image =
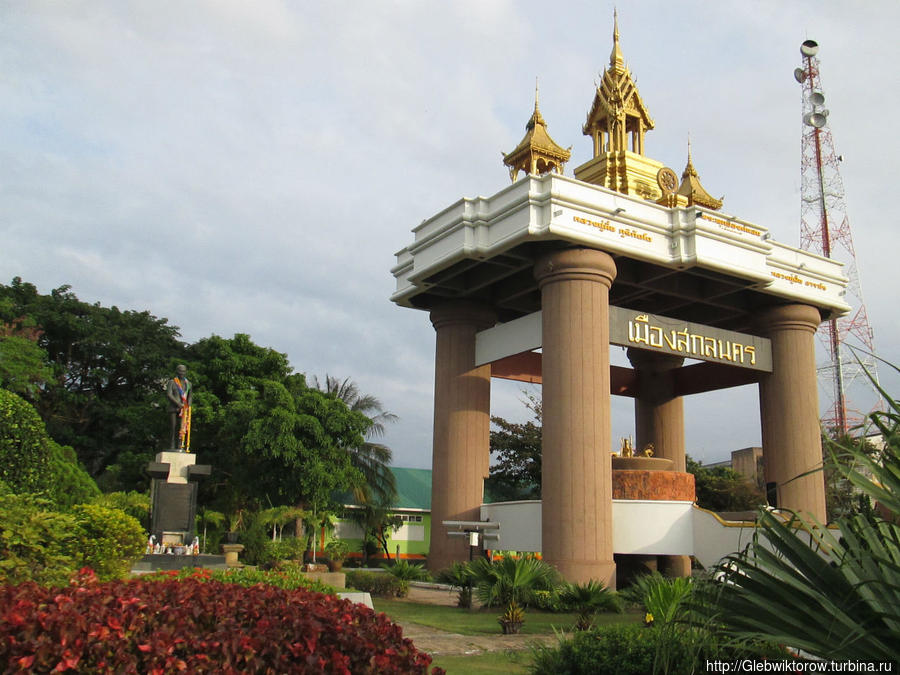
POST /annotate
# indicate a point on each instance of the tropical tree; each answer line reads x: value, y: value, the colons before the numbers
x: 834, y: 594
x: 516, y: 449
x: 369, y: 458
x: 272, y: 439
x: 106, y: 365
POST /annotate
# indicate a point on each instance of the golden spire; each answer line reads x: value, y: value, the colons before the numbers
x: 691, y: 187
x: 617, y: 123
x: 537, y: 153
x: 616, y: 60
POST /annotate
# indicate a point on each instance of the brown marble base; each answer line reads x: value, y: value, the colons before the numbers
x: 655, y: 485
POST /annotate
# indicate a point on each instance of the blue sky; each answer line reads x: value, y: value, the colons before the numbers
x: 253, y: 167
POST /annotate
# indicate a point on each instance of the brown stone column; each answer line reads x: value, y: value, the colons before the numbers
x: 462, y: 409
x: 659, y: 419
x: 658, y: 413
x: 789, y: 410
x: 577, y: 472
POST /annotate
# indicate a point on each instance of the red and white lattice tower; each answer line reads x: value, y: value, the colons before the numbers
x: 825, y: 229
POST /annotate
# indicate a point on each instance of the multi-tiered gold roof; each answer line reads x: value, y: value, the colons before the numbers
x: 537, y: 153
x: 617, y: 122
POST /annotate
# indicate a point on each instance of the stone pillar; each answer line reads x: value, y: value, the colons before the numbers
x: 462, y: 409
x: 789, y: 410
x: 658, y: 413
x: 659, y: 419
x: 577, y: 472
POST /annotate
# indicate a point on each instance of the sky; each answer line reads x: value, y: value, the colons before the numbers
x: 253, y: 167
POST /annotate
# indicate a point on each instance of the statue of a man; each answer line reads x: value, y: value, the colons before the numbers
x: 179, y: 393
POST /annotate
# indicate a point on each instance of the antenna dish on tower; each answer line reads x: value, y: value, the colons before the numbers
x: 809, y: 48
x: 817, y: 98
x: 815, y: 119
x: 799, y: 75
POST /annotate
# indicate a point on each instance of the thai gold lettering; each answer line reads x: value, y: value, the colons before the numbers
x: 638, y: 333
x: 641, y: 331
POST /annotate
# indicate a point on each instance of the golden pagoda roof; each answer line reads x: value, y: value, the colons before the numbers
x: 692, y: 189
x: 617, y: 96
x: 536, y: 153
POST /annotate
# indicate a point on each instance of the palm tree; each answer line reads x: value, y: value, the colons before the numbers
x: 371, y: 459
x: 511, y: 582
x: 588, y: 599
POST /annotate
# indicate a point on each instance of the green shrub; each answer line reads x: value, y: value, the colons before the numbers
x: 377, y: 583
x: 36, y: 544
x: 664, y: 598
x: 107, y: 540
x: 403, y: 569
x: 135, y: 504
x: 631, y: 649
x: 337, y: 550
x: 289, y: 548
x: 24, y: 451
x: 288, y: 576
x: 68, y: 483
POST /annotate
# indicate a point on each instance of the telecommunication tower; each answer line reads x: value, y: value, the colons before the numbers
x: 825, y: 229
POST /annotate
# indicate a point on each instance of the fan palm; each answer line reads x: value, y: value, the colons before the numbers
x: 511, y: 582
x: 834, y: 595
x: 371, y: 459
x: 588, y: 599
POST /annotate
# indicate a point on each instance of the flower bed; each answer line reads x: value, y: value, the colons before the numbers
x: 157, y: 627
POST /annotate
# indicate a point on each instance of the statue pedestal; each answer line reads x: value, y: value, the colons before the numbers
x: 231, y: 554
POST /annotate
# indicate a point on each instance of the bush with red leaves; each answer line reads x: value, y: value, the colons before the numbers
x: 193, y: 627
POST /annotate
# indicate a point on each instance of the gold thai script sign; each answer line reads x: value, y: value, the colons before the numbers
x: 629, y: 328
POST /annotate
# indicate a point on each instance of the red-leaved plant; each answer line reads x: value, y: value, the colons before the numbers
x: 195, y: 627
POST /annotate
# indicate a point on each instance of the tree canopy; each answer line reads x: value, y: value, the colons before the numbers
x: 96, y: 376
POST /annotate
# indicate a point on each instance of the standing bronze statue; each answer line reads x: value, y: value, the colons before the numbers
x: 179, y: 393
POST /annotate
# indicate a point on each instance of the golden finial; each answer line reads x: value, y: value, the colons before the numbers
x: 536, y: 92
x: 616, y: 58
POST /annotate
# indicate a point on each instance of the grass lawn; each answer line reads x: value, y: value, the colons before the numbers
x: 509, y: 663
x: 484, y: 621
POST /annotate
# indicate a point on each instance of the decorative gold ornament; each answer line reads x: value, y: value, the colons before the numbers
x: 667, y: 180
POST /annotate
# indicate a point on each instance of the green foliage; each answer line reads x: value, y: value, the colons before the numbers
x: 628, y: 649
x: 377, y: 583
x: 516, y: 471
x: 723, y: 489
x: 511, y: 579
x: 276, y: 440
x: 287, y: 575
x: 663, y: 597
x: 107, y: 540
x: 459, y: 577
x: 588, y: 599
x: 371, y: 459
x: 36, y: 544
x: 833, y: 594
x: 135, y: 504
x: 337, y: 550
x: 24, y: 452
x: 289, y: 548
x: 107, y: 368
x: 23, y: 365
x: 403, y: 569
x: 68, y: 483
